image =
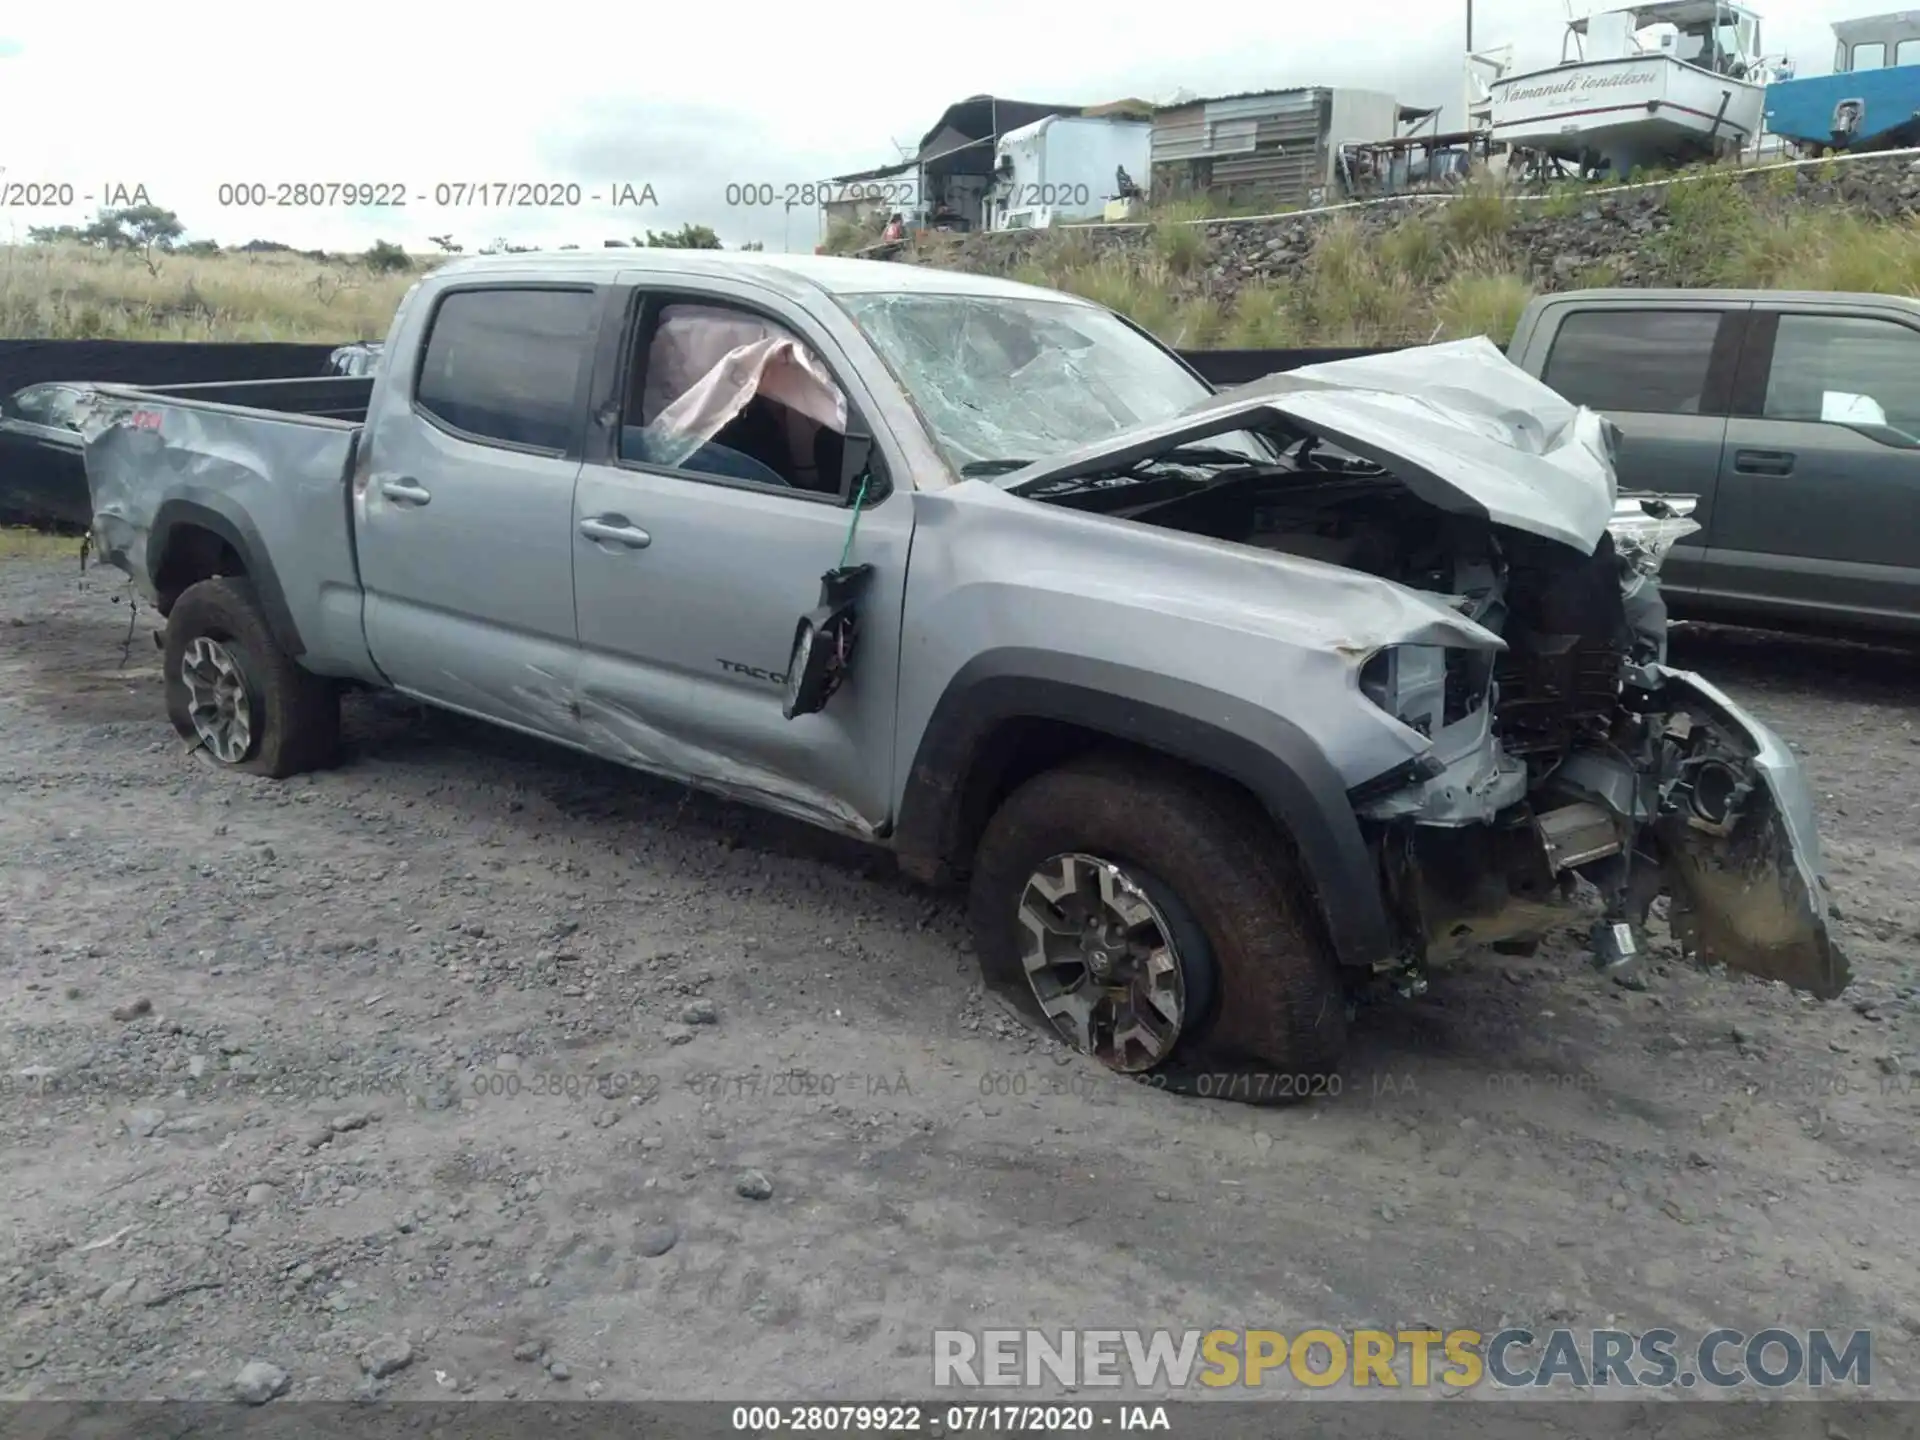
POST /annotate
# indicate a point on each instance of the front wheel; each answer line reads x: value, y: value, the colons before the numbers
x: 242, y: 701
x: 1151, y: 917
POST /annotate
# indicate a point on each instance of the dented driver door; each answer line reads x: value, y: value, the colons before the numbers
x: 691, y: 571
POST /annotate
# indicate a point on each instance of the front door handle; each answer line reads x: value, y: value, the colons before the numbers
x: 405, y: 492
x: 1763, y: 462
x: 614, y: 530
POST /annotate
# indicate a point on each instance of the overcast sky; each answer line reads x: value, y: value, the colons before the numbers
x: 686, y: 99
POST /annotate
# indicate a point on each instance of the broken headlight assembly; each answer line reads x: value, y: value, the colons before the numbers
x: 1645, y: 528
x: 1427, y: 687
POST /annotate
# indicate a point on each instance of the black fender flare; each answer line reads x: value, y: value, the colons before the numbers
x: 211, y: 511
x: 1268, y: 754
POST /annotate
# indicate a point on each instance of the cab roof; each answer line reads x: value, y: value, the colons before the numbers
x: 794, y: 275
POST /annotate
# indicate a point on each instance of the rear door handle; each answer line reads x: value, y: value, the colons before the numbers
x: 614, y: 530
x: 405, y: 492
x: 1763, y: 462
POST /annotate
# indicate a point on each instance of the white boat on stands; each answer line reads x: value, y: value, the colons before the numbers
x: 1656, y: 84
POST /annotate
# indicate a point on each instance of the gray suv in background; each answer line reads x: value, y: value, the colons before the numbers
x: 1793, y: 416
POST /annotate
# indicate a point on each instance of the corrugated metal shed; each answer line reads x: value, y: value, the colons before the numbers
x: 1238, y: 125
x: 1259, y: 144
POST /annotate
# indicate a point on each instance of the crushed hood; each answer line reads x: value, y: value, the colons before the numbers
x: 1459, y: 424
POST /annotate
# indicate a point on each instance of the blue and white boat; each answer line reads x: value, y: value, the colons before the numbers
x: 1871, y: 101
x: 1657, y: 83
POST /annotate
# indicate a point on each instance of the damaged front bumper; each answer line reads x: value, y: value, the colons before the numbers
x: 1691, y: 797
x: 1742, y: 854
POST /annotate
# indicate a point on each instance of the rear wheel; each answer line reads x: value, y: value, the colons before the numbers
x: 1151, y: 917
x: 232, y: 691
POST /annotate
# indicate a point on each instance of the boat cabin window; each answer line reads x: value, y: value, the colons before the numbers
x: 1869, y: 55
x: 1908, y: 53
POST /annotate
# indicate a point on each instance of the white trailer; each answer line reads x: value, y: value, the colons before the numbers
x: 1064, y: 168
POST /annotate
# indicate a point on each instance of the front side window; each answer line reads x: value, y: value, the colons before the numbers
x: 1652, y: 362
x: 1907, y: 52
x: 504, y: 365
x: 724, y: 392
x: 1869, y: 55
x: 1845, y: 369
x: 1003, y: 381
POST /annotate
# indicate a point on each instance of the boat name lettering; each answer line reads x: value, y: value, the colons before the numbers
x: 1617, y: 79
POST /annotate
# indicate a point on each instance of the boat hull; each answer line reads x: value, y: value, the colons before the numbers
x: 1626, y: 112
x: 1814, y: 111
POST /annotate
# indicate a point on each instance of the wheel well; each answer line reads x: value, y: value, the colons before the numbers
x: 194, y: 553
x: 1019, y: 748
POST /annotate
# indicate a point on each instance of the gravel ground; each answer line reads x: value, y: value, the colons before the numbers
x: 463, y: 1069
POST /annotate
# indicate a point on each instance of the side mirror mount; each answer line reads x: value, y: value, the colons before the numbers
x: 823, y: 642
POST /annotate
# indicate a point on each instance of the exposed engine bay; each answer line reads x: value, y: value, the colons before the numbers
x: 1572, y: 755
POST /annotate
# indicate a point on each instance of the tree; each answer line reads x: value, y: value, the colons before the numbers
x: 445, y: 242
x: 753, y: 245
x: 151, y: 227
x: 142, y: 227
x: 687, y: 237
x: 384, y: 257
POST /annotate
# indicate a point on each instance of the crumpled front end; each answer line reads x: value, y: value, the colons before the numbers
x: 1587, y: 767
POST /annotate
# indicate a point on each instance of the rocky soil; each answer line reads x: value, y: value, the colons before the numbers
x: 473, y: 1068
x: 1557, y: 242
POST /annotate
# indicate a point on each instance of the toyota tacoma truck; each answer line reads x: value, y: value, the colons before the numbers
x: 1228, y: 708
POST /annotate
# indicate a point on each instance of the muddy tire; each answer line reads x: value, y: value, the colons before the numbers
x: 1261, y: 1012
x: 235, y: 695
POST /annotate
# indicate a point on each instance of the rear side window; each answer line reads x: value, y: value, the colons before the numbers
x: 1650, y: 362
x: 505, y: 365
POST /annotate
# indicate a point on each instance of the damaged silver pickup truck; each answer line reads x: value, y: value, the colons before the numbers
x: 1227, y: 706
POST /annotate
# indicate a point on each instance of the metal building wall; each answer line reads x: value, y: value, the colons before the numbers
x: 1270, y: 146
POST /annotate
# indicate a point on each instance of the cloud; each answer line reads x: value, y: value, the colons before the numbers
x: 705, y: 164
x: 390, y: 94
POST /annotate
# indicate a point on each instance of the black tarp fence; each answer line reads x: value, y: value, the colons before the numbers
x: 154, y: 362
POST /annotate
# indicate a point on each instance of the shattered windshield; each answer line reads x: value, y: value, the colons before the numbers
x: 1005, y: 381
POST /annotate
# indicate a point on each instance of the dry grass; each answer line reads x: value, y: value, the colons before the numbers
x: 58, y: 292
x: 1456, y: 270
x: 19, y: 543
x: 1444, y: 272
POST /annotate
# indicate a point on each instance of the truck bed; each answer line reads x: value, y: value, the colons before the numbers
x: 261, y: 467
x: 330, y: 397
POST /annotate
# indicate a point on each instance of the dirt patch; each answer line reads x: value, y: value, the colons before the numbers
x: 472, y: 1044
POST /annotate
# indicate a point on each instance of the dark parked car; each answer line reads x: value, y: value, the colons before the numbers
x: 1793, y: 415
x: 42, y: 476
x: 360, y: 358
